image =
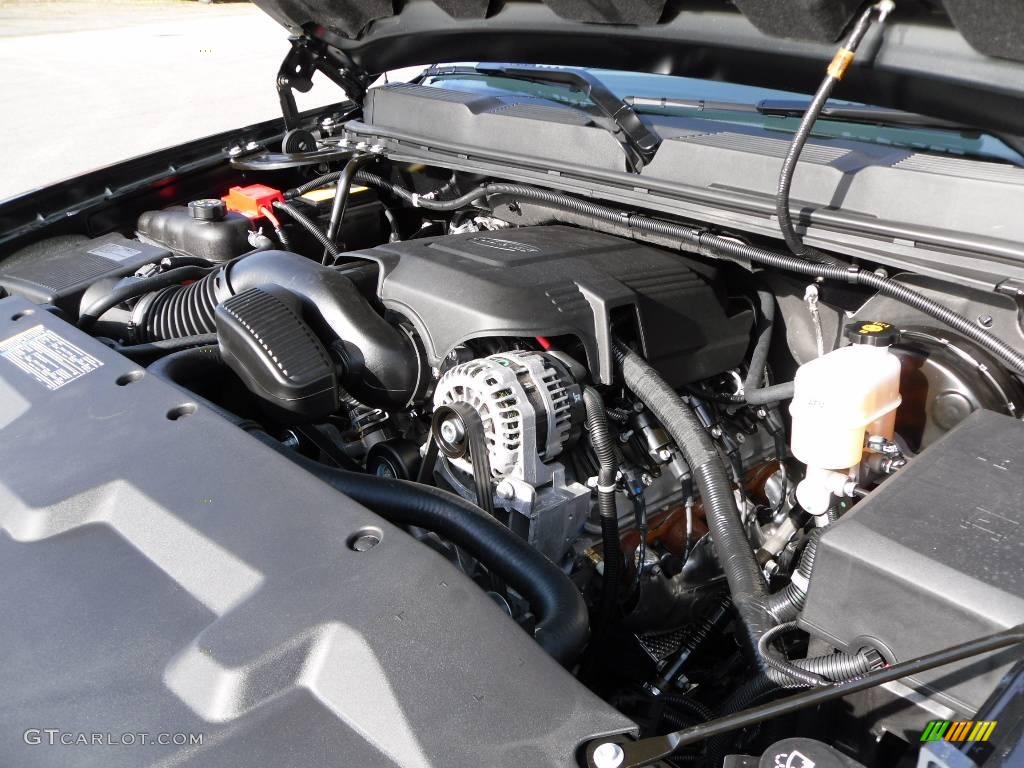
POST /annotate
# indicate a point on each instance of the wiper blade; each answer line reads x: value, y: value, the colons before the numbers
x: 860, y: 113
x: 638, y: 141
x: 852, y: 113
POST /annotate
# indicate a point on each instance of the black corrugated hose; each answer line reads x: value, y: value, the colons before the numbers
x: 177, y: 311
x: 746, y: 582
x: 601, y: 440
x: 700, y: 241
x: 816, y: 670
x: 787, y: 603
x: 136, y: 287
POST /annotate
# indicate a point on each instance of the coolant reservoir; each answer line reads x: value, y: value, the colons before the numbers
x: 838, y: 400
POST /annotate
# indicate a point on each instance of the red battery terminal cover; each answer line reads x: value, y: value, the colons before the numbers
x: 251, y: 199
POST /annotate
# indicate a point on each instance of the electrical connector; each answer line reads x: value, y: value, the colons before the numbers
x: 251, y: 199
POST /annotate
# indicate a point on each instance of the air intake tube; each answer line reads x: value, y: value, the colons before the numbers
x: 381, y: 364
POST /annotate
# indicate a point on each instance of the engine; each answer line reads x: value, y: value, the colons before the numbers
x: 704, y: 458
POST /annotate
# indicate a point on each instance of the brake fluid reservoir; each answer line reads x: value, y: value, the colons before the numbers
x: 838, y: 400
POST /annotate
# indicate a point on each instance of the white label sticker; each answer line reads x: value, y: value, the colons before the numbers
x: 47, y: 357
x: 114, y: 251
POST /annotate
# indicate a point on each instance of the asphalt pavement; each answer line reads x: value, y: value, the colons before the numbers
x: 87, y: 84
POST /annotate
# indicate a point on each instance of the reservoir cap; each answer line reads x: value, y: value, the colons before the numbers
x: 874, y: 333
x: 208, y: 209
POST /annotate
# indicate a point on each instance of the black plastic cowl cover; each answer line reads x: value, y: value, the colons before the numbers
x: 264, y: 340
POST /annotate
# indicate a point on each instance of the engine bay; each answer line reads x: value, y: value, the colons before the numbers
x: 699, y: 474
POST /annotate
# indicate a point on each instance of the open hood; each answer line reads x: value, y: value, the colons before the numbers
x: 961, y: 60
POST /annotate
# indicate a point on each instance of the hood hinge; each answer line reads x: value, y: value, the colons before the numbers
x: 306, y: 57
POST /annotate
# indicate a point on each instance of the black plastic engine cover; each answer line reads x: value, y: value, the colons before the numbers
x: 555, y: 280
x: 164, y: 572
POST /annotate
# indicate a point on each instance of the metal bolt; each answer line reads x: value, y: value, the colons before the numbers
x: 365, y: 541
x: 608, y: 755
x: 665, y: 454
x: 505, y: 490
x: 252, y: 146
x: 646, y: 479
x: 762, y: 413
x: 235, y: 151
x: 327, y: 122
x: 741, y: 438
x: 716, y: 431
x: 451, y: 431
x: 985, y: 321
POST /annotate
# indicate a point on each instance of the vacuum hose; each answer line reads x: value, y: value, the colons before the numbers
x: 562, y: 626
x: 381, y: 365
x: 601, y: 440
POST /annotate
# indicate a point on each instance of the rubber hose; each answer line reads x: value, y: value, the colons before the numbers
x: 309, y: 186
x: 800, y: 137
x: 601, y: 440
x: 769, y: 395
x: 746, y: 582
x: 379, y: 182
x: 787, y: 603
x: 136, y: 287
x: 690, y: 706
x: 370, y: 180
x: 341, y: 195
x: 759, y: 357
x: 562, y: 627
x: 300, y: 218
x: 155, y: 349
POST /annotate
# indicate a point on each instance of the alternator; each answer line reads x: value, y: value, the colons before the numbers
x: 528, y: 403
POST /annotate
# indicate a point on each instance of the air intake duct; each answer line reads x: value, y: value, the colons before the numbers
x: 380, y: 363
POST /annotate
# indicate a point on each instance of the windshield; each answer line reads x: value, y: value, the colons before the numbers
x: 632, y: 85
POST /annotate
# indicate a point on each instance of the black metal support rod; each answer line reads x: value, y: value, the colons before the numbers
x: 646, y: 751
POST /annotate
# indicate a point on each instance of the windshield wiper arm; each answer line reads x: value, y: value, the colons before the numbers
x: 638, y: 141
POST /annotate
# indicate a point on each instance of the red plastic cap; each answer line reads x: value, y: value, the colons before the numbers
x: 248, y: 200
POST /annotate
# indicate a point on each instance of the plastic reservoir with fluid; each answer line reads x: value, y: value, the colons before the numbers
x: 839, y: 399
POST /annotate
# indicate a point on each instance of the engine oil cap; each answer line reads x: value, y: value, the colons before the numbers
x: 874, y: 333
x: 208, y: 209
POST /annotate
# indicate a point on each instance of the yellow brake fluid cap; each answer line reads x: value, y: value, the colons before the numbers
x: 874, y: 333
